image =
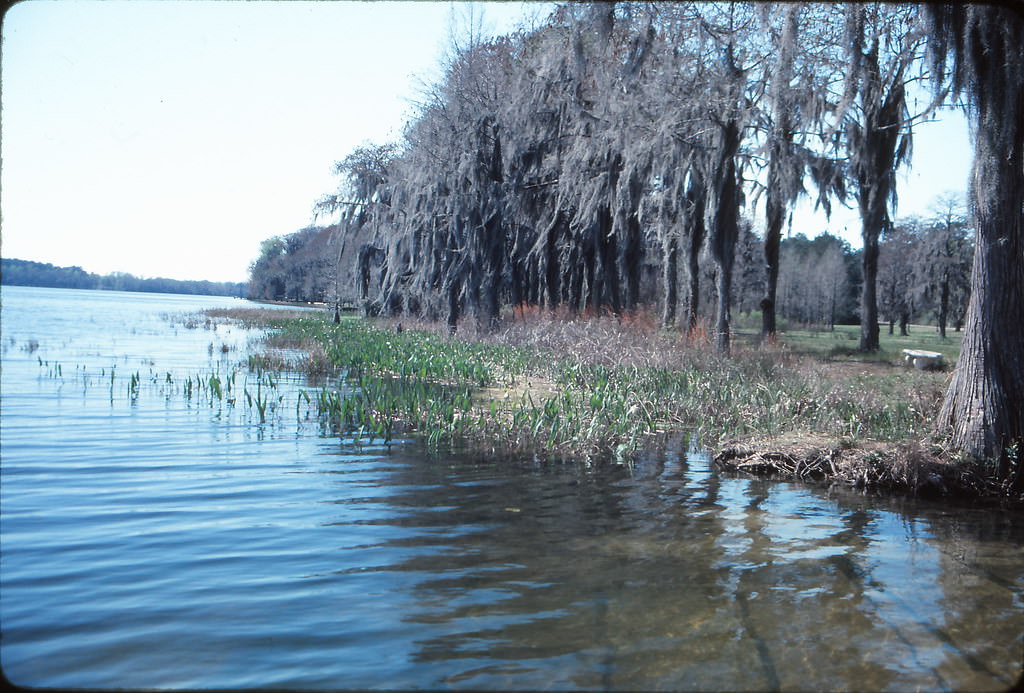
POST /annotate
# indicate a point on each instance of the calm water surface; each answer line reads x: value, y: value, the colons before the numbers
x: 152, y: 539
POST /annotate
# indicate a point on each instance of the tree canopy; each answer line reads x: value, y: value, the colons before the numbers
x: 612, y: 156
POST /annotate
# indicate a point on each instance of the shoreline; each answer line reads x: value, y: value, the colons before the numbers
x: 900, y: 468
x: 601, y: 389
x: 291, y: 304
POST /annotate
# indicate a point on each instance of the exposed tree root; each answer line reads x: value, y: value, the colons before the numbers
x: 905, y: 467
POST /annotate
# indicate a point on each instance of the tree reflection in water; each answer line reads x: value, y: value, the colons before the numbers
x: 668, y: 575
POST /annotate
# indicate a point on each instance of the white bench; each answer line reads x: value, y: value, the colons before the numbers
x: 923, y: 360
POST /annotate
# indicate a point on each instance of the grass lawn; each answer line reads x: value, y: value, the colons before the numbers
x: 841, y: 343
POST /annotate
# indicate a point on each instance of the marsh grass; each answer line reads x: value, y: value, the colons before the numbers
x: 252, y: 390
x: 600, y: 387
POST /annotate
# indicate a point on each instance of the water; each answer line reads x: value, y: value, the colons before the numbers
x: 154, y: 540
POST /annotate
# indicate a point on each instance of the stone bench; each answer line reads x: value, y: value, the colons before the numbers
x: 923, y: 360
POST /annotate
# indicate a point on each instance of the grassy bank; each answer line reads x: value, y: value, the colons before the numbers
x: 808, y: 407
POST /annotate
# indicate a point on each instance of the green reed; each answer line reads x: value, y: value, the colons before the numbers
x: 512, y: 398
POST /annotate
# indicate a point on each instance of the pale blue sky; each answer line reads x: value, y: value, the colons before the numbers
x: 168, y: 137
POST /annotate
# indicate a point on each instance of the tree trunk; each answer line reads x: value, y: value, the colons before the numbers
x: 608, y: 286
x: 669, y: 277
x: 877, y: 153
x: 551, y: 266
x: 495, y: 258
x: 984, y: 408
x: 724, y: 286
x: 693, y: 295
x: 521, y: 280
x: 453, y: 307
x: 695, y: 202
x: 868, y: 294
x: 832, y: 308
x: 943, y: 306
x: 576, y: 269
x: 775, y: 215
x: 726, y: 228
x: 590, y: 274
x: 494, y: 234
x: 632, y: 262
x: 632, y: 242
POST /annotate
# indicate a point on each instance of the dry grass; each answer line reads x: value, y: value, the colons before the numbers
x: 633, y: 340
x: 253, y: 316
x: 913, y: 466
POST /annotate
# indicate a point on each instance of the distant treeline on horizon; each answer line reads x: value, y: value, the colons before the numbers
x: 28, y: 273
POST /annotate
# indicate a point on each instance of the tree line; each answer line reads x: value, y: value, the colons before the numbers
x: 619, y: 151
x: 563, y: 165
x: 29, y: 273
x: 585, y: 164
x: 924, y: 274
x: 300, y: 267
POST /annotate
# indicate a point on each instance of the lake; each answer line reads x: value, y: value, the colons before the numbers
x: 155, y: 535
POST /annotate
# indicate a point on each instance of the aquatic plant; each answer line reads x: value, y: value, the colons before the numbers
x: 570, y: 389
x: 602, y: 389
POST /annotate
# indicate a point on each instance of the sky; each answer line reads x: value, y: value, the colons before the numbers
x: 168, y: 138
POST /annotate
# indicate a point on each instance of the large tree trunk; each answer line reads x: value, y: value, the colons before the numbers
x: 695, y: 231
x: 984, y: 407
x: 775, y: 213
x: 868, y: 294
x: 726, y: 228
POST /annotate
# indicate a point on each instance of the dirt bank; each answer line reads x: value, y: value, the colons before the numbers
x: 910, y: 468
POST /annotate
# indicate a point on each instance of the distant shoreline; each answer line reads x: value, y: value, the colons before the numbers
x: 297, y: 304
x: 15, y: 272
